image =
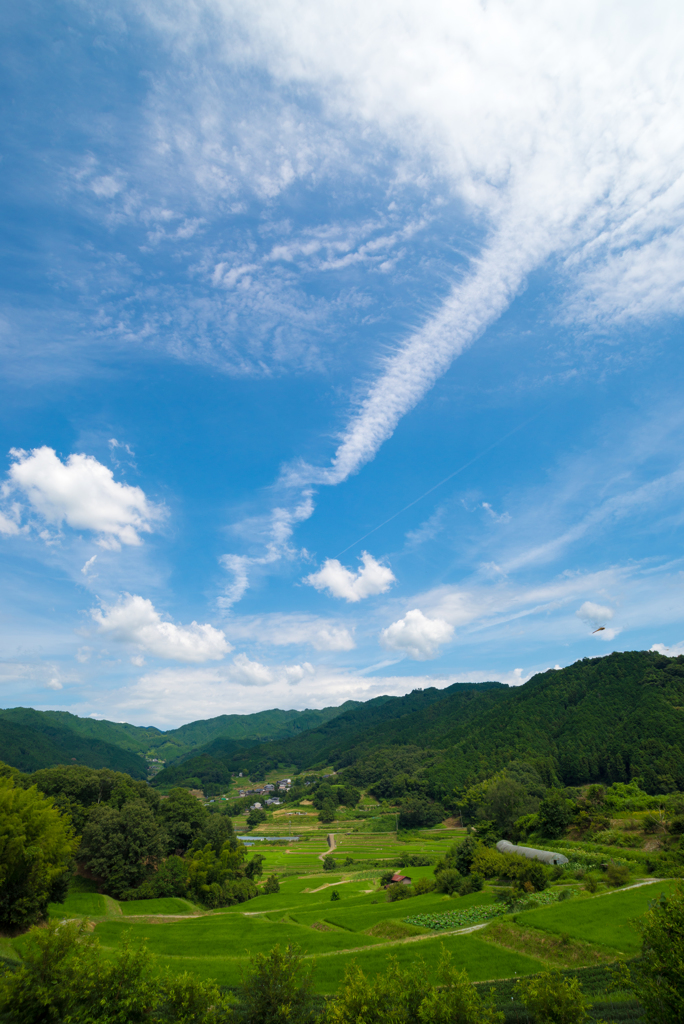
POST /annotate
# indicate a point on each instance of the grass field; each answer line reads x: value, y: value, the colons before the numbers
x: 605, y: 919
x: 585, y: 931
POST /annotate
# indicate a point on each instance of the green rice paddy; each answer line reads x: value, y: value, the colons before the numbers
x: 361, y: 925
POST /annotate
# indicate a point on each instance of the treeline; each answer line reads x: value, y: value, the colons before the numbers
x: 119, y: 831
x: 601, y: 720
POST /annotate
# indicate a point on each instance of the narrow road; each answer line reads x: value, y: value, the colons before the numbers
x: 331, y: 846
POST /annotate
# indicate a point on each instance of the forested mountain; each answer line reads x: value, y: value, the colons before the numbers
x: 601, y: 719
x: 32, y: 739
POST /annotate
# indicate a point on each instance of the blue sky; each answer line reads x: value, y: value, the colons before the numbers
x: 341, y: 348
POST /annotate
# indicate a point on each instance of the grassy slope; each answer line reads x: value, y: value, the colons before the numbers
x: 605, y: 919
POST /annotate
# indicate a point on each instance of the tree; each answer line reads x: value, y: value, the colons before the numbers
x: 37, y: 845
x: 391, y: 998
x: 184, y: 818
x: 456, y: 1001
x: 272, y: 884
x: 349, y: 796
x: 275, y: 989
x: 122, y: 847
x: 327, y: 813
x: 419, y: 812
x: 254, y: 866
x: 505, y: 800
x: 657, y: 978
x: 552, y: 998
x: 256, y: 817
x: 329, y: 862
x: 448, y: 880
x: 64, y: 977
x: 554, y: 814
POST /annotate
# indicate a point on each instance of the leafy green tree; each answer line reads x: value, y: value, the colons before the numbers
x: 448, y: 881
x: 254, y: 867
x: 217, y: 831
x: 122, y: 847
x: 349, y: 796
x: 455, y: 1001
x: 329, y: 863
x: 275, y: 989
x: 172, y: 879
x: 327, y: 812
x: 220, y: 881
x: 65, y: 979
x: 419, y: 812
x: 37, y: 845
x: 552, y: 998
x: 657, y: 977
x: 505, y: 801
x: 184, y: 819
x: 272, y: 884
x: 554, y: 814
x: 391, y: 998
x: 256, y: 817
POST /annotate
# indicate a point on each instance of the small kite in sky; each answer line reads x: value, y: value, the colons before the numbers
x: 597, y: 630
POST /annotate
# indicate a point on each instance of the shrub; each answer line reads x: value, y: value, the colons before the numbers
x: 272, y: 884
x: 448, y: 880
x: 386, y: 878
x: 471, y: 883
x: 397, y: 891
x: 617, y: 874
x: 275, y: 989
x: 591, y: 884
x: 676, y: 826
x: 490, y: 862
x: 423, y: 885
x: 329, y: 862
x: 552, y: 998
x: 334, y: 895
x: 650, y: 824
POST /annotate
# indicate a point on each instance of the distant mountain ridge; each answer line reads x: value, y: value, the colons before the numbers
x: 31, y: 739
x: 611, y: 718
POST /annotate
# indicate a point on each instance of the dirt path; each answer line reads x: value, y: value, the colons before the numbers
x: 332, y: 845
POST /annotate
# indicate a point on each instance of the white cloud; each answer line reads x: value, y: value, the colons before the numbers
x: 594, y: 614
x: 372, y: 578
x: 249, y: 673
x: 417, y: 635
x: 134, y: 620
x: 280, y: 630
x: 8, y: 526
x: 53, y: 684
x: 85, y: 569
x: 559, y: 129
x: 670, y: 652
x: 83, y: 494
x: 274, y: 532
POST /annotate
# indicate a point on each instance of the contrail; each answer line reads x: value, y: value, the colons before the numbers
x: 445, y: 480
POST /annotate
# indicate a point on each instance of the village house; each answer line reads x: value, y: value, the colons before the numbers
x: 398, y: 878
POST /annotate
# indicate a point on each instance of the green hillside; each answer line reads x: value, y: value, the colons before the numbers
x: 601, y: 719
x: 31, y: 741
